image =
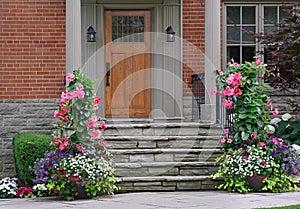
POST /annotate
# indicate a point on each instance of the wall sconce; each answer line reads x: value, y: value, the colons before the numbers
x: 170, y: 34
x: 91, y: 34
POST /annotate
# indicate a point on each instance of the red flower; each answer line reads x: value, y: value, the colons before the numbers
x: 263, y: 163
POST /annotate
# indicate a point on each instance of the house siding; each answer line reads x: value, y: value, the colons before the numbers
x: 32, y: 40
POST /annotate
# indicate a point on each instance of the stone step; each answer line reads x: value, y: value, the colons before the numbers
x: 142, y: 142
x: 164, y: 155
x: 167, y: 183
x: 165, y: 168
x: 163, y: 129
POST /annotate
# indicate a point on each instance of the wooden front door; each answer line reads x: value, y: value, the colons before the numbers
x: 128, y: 63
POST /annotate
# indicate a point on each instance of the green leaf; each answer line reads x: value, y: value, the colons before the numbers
x: 245, y: 135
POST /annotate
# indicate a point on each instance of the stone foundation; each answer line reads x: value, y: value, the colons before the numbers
x: 22, y: 115
x: 286, y: 101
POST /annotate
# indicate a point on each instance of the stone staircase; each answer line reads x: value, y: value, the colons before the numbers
x: 163, y: 156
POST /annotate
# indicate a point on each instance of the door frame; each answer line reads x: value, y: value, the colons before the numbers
x: 132, y: 113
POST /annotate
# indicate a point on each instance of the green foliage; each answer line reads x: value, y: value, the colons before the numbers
x: 27, y: 147
x: 289, y: 131
x: 250, y: 108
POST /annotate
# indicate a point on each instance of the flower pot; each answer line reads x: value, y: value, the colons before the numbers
x: 81, y: 192
x: 255, y: 183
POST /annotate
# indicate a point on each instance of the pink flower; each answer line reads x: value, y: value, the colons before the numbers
x: 80, y: 87
x: 103, y: 126
x: 245, y: 157
x: 228, y: 91
x: 97, y: 100
x: 222, y: 141
x: 91, y: 124
x: 258, y: 62
x: 263, y: 163
x: 95, y: 133
x: 227, y: 103
x: 254, y: 135
x: 79, y: 147
x: 96, y: 106
x: 67, y: 95
x: 240, y: 149
x: 214, y: 92
x: 221, y: 73
x: 237, y: 92
x: 261, y: 144
x: 57, y: 114
x: 270, y: 104
x: 226, y: 131
x: 229, y: 140
x: 234, y: 64
x: 95, y: 118
x: 275, y: 112
x: 275, y: 141
x: 69, y: 78
x: 102, y: 144
x: 79, y: 94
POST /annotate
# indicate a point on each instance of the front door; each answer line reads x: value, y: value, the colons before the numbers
x: 128, y: 63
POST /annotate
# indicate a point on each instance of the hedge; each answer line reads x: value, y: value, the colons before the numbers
x: 27, y: 147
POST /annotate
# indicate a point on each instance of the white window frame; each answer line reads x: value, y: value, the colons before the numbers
x: 259, y: 24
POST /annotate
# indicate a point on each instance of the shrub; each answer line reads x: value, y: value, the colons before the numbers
x: 27, y: 147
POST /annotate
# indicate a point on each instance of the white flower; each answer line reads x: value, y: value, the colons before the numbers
x: 269, y: 129
x: 286, y: 117
x: 275, y: 121
x: 296, y: 147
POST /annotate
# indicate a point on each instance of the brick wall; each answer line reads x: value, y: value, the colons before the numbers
x: 193, y: 24
x: 32, y: 41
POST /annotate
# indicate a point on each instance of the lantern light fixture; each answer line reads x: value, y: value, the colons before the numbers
x: 91, y: 34
x: 170, y: 34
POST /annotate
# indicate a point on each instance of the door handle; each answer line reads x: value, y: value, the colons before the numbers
x: 107, y: 66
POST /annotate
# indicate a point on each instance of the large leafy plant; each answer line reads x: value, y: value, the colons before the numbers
x: 244, y: 93
x: 250, y: 151
x: 80, y: 160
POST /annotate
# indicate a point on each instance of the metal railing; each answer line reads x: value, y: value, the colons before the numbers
x: 198, y: 90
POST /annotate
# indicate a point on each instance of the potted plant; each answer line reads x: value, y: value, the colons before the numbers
x: 79, y: 165
x: 251, y: 152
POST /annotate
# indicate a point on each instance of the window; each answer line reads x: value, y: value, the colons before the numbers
x: 242, y: 19
x: 128, y: 28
